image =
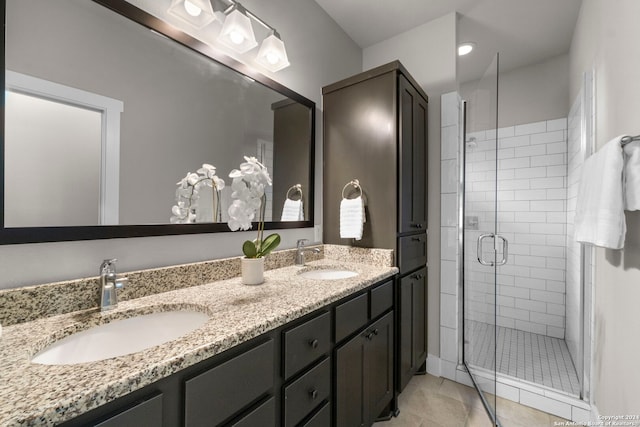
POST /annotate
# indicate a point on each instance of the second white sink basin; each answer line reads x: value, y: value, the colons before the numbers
x: 328, y: 274
x: 121, y: 337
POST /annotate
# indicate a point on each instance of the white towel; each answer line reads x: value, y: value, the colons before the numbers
x: 292, y: 210
x: 599, y: 216
x: 352, y: 218
x: 632, y: 176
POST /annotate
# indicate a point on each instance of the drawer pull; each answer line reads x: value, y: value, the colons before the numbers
x: 417, y: 239
x: 417, y: 276
x: 416, y: 225
x: 313, y: 393
x: 313, y: 343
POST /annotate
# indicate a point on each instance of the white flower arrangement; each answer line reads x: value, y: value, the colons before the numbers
x: 248, y: 185
x: 187, y: 194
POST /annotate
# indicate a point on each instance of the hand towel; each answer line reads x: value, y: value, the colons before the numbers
x: 632, y: 176
x: 352, y: 218
x: 292, y: 210
x: 599, y: 216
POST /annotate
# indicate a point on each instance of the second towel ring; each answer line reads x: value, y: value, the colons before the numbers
x: 355, y: 183
x: 297, y: 188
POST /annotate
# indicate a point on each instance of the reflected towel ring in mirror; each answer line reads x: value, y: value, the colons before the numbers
x: 297, y: 189
x: 355, y: 183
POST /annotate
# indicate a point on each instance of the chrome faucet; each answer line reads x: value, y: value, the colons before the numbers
x: 300, y: 250
x: 109, y: 283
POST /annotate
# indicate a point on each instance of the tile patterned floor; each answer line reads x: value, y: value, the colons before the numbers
x: 531, y: 357
x: 429, y: 401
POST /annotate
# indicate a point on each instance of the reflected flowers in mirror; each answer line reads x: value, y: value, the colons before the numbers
x: 188, y: 193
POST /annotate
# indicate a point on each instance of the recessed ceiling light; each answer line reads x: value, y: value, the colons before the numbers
x: 465, y: 48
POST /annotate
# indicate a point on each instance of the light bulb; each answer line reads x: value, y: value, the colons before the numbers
x: 236, y: 37
x: 191, y: 8
x: 465, y: 48
x: 272, y: 58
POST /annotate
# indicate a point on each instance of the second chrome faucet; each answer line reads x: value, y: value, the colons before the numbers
x: 300, y: 250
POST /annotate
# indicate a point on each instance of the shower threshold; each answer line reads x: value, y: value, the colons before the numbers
x: 535, y: 358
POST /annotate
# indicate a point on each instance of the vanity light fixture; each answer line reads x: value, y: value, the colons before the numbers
x: 197, y: 13
x: 465, y: 48
x: 237, y: 32
x: 272, y: 54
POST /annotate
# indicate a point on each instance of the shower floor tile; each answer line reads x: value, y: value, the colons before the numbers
x: 531, y: 357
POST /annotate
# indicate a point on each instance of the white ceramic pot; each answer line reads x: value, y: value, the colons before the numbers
x: 252, y: 271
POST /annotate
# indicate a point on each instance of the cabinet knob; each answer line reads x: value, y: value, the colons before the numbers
x: 417, y: 239
x: 369, y: 336
x: 375, y: 332
x: 417, y: 276
x: 313, y: 393
x: 313, y: 343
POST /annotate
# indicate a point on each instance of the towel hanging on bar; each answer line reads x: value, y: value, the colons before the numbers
x: 293, y: 210
x: 599, y: 216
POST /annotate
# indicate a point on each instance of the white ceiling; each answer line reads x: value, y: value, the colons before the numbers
x: 523, y: 31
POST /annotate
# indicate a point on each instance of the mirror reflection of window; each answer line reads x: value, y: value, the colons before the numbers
x: 45, y: 186
x: 61, y: 154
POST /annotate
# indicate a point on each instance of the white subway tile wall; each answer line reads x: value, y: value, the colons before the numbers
x: 532, y: 214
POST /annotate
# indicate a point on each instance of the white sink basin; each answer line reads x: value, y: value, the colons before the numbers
x: 328, y: 274
x: 121, y: 337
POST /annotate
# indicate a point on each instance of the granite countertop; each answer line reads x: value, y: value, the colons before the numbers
x: 32, y: 394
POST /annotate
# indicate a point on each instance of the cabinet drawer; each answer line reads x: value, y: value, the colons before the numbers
x: 263, y: 416
x: 148, y: 412
x: 321, y: 419
x: 306, y: 343
x: 412, y: 252
x: 220, y: 392
x: 381, y: 299
x: 306, y: 393
x: 351, y: 316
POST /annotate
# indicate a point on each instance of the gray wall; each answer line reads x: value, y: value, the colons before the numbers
x: 320, y: 53
x: 605, y: 40
x: 429, y: 54
x: 531, y: 94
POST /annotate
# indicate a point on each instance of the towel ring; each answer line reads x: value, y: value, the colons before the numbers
x: 628, y: 139
x: 355, y: 183
x: 297, y: 188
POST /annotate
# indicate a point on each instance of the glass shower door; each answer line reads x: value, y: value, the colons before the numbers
x: 483, y: 249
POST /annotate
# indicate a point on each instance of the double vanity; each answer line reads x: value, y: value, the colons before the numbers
x: 311, y: 345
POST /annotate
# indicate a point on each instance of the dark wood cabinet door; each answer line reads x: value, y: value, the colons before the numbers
x: 148, y: 412
x: 351, y: 406
x: 413, y: 325
x: 413, y: 158
x: 378, y: 380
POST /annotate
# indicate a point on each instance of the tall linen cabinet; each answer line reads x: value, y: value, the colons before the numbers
x: 375, y: 131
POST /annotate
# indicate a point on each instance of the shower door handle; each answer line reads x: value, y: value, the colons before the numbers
x: 479, y: 249
x: 505, y: 249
